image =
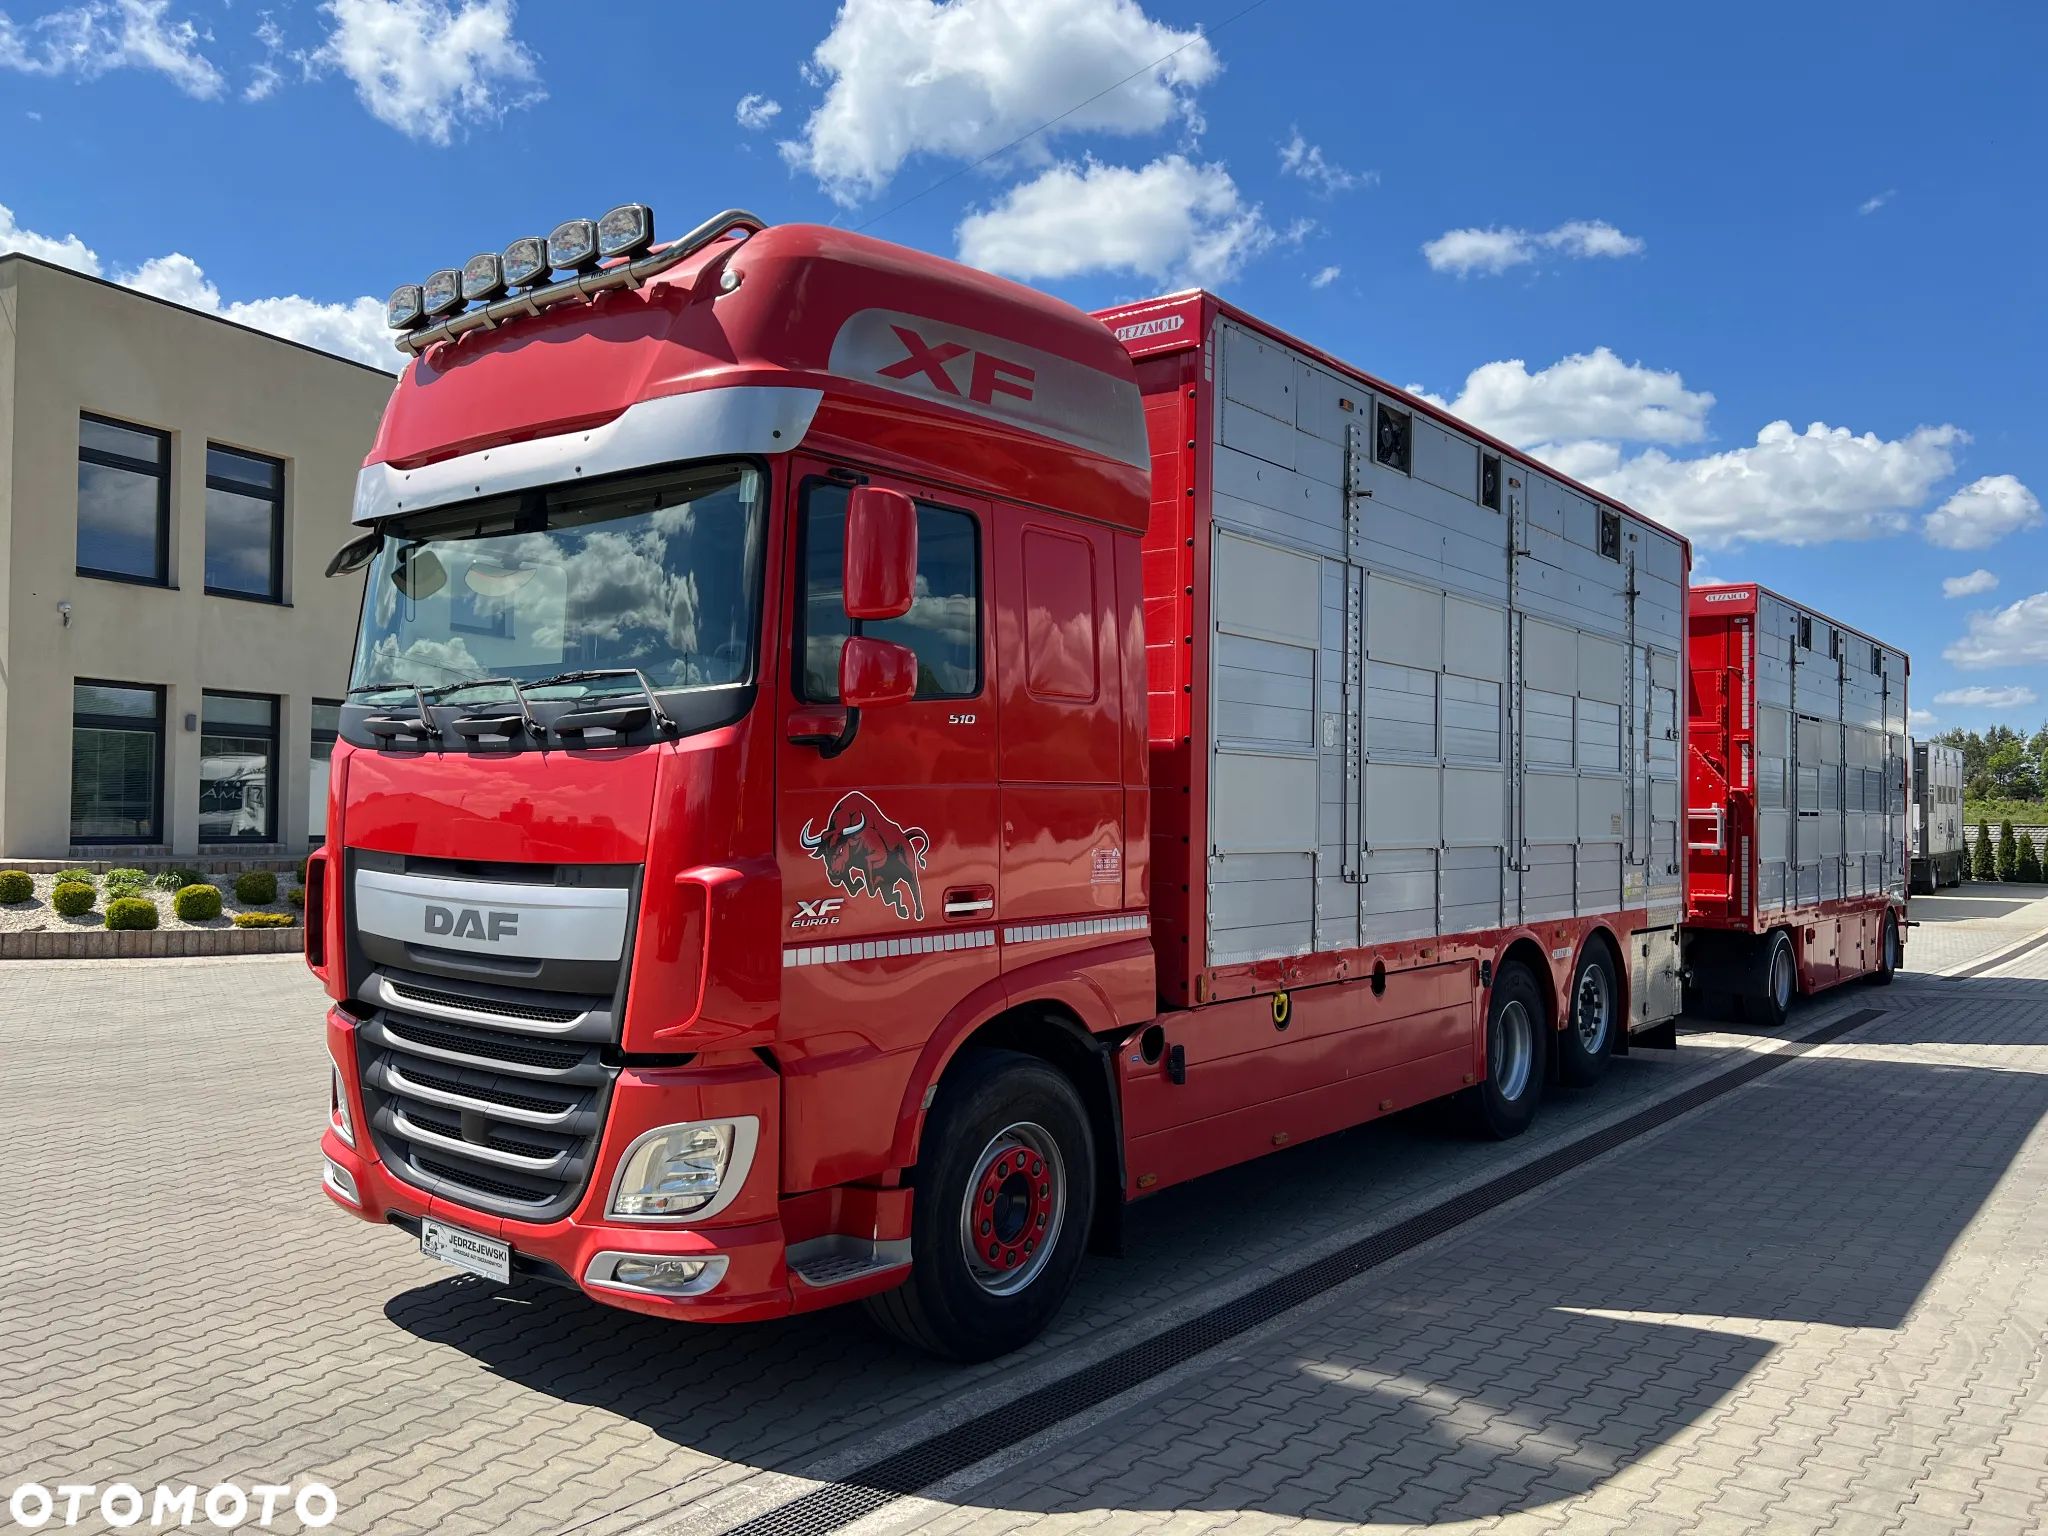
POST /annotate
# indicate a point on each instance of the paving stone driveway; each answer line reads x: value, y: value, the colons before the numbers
x: 1816, y: 1303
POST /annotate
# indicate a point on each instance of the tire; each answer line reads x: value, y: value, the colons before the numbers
x: 1768, y: 1000
x: 1888, y: 953
x: 1003, y: 1123
x: 1517, y: 1034
x: 1592, y: 1019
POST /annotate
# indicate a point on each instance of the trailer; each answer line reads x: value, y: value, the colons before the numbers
x: 1796, y: 758
x: 1940, y: 845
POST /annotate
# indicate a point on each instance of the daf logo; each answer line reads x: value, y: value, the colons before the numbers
x: 472, y: 923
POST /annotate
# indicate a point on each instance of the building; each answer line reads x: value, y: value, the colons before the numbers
x: 171, y: 656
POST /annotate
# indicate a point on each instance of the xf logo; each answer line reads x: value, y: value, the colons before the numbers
x: 987, y: 374
x: 822, y: 913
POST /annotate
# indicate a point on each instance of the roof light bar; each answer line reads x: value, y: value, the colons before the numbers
x: 443, y: 290
x: 626, y: 231
x: 526, y: 261
x: 483, y: 277
x: 572, y: 245
x: 403, y: 311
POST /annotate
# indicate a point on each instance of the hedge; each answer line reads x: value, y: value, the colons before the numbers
x: 197, y: 903
x: 73, y: 898
x: 255, y: 887
x: 131, y: 912
x: 15, y: 885
x: 264, y: 919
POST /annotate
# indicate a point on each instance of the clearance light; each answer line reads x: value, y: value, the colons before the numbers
x: 526, y: 261
x: 573, y: 245
x: 402, y: 310
x: 483, y: 277
x: 443, y: 292
x: 625, y: 231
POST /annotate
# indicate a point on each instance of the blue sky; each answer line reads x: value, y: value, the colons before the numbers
x: 1639, y: 238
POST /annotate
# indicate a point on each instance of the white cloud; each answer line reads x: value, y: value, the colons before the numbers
x: 1172, y: 221
x: 1587, y: 395
x: 353, y: 329
x: 1968, y: 586
x: 264, y: 75
x: 2012, y: 636
x: 1982, y: 513
x: 427, y: 67
x: 1979, y: 697
x: 1870, y: 205
x: 91, y: 39
x: 1920, y: 719
x: 1327, y: 276
x: 963, y: 78
x: 755, y: 111
x: 1788, y: 487
x: 1490, y: 252
x: 1300, y: 158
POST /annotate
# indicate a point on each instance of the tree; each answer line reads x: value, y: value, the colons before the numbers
x: 1983, y: 866
x: 2028, y: 871
x: 2008, y: 852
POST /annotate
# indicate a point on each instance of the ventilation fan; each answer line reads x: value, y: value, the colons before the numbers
x: 1393, y: 439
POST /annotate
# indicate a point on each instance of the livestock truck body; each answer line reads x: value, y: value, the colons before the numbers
x: 1940, y: 842
x: 856, y: 770
x: 1797, y: 806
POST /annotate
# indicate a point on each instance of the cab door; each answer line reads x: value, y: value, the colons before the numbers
x: 888, y: 827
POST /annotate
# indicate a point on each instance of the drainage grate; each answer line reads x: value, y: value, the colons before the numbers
x: 917, y: 1467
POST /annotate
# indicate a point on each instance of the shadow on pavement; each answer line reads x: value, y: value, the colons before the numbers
x: 1466, y: 1383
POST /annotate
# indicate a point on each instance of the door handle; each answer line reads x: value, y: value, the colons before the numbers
x: 966, y: 903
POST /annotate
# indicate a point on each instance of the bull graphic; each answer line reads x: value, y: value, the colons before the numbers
x: 866, y: 853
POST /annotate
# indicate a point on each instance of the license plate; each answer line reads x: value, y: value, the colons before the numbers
x: 465, y: 1250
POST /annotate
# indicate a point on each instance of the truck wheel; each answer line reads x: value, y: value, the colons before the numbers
x: 1888, y: 953
x: 1586, y: 1043
x: 1769, y: 999
x: 1516, y: 1033
x: 1000, y: 1216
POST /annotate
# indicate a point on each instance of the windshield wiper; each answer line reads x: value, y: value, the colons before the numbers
x: 474, y: 725
x: 621, y: 719
x: 386, y: 726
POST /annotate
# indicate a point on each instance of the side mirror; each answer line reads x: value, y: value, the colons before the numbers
x: 881, y: 553
x: 355, y: 554
x: 873, y: 673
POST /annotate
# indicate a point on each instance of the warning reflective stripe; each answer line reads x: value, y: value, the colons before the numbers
x: 1079, y: 928
x: 886, y: 949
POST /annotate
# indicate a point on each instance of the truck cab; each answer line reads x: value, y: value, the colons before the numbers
x: 748, y: 714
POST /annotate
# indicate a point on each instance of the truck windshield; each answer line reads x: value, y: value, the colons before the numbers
x: 660, y: 573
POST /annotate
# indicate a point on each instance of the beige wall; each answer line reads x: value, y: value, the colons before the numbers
x: 70, y: 344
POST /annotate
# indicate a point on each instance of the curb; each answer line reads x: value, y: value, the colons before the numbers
x: 153, y: 944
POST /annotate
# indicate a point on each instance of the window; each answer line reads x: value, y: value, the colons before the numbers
x: 124, y: 501
x: 244, y: 525
x: 1610, y: 534
x: 1489, y: 480
x: 238, y: 768
x: 326, y: 729
x: 943, y: 626
x: 1805, y: 633
x: 1391, y: 436
x: 1877, y: 659
x: 117, y: 753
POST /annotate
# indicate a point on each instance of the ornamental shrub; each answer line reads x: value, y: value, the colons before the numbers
x: 178, y: 879
x: 264, y: 919
x: 119, y: 883
x: 255, y: 887
x: 2028, y: 869
x: 296, y: 896
x: 77, y: 877
x: 131, y: 912
x: 73, y: 898
x: 197, y: 903
x: 15, y: 885
x: 1983, y: 865
x: 2008, y: 852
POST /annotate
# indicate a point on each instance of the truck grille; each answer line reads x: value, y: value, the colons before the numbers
x: 486, y: 1117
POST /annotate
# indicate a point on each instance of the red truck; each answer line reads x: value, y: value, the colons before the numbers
x: 857, y: 769
x: 1797, y: 802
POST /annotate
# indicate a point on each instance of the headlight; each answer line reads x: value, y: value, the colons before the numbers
x: 675, y: 1170
x: 526, y: 261
x: 402, y: 310
x: 625, y: 231
x: 338, y: 1115
x: 572, y: 245
x: 443, y: 292
x: 483, y: 277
